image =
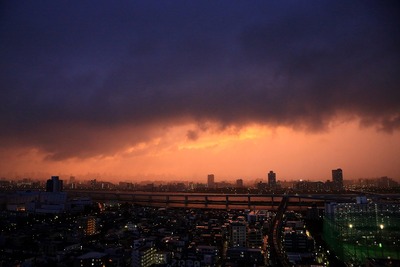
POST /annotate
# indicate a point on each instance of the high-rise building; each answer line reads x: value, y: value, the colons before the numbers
x: 272, y: 179
x: 239, y: 183
x: 238, y: 231
x: 337, y: 179
x: 210, y: 181
x: 54, y: 184
x: 254, y: 238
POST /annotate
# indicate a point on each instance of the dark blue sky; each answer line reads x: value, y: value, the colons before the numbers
x: 69, y: 69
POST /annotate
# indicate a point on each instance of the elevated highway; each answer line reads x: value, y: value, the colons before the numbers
x: 212, y: 200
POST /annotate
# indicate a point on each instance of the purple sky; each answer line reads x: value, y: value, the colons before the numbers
x: 74, y: 70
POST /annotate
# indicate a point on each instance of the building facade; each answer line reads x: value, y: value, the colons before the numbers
x: 238, y: 234
x: 144, y: 256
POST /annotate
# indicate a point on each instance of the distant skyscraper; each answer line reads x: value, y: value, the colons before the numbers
x: 54, y: 184
x: 271, y: 179
x: 337, y: 178
x: 239, y: 183
x: 210, y: 181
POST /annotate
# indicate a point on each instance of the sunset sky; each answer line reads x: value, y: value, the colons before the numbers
x: 175, y: 90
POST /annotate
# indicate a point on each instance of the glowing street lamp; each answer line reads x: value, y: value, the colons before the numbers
x: 351, y: 237
x: 381, y: 226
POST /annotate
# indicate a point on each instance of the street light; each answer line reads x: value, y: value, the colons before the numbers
x: 350, y: 237
x: 381, y: 226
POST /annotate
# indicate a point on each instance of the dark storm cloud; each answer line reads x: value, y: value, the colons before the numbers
x: 71, y: 71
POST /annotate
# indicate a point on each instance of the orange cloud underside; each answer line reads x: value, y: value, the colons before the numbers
x: 248, y: 153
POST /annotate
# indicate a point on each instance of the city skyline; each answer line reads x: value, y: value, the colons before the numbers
x: 336, y: 180
x: 178, y: 90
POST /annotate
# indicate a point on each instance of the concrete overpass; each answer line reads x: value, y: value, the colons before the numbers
x: 212, y: 200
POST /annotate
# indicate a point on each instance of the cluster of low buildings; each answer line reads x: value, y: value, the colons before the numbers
x: 46, y: 228
x: 126, y: 235
x: 182, y: 237
x: 115, y: 234
x: 53, y: 200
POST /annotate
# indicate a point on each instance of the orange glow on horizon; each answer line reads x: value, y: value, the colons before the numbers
x: 247, y: 153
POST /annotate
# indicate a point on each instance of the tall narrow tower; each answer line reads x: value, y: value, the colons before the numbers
x: 210, y: 181
x: 337, y: 179
x: 272, y: 179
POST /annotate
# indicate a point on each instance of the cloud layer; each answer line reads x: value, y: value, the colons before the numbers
x: 80, y: 80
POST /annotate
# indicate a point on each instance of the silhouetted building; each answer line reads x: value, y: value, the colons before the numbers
x: 210, y: 181
x: 309, y: 186
x: 386, y: 182
x: 337, y: 179
x: 93, y: 184
x: 54, y: 184
x: 272, y: 179
x: 239, y: 183
x: 262, y: 186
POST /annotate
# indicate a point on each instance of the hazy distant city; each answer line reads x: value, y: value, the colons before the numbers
x: 211, y: 184
x: 271, y: 183
x: 270, y: 223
